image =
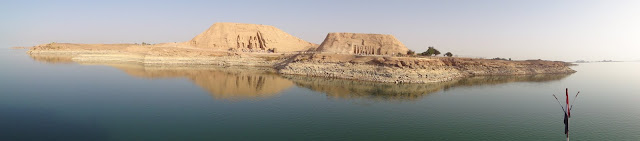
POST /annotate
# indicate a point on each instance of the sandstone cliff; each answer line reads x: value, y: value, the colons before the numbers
x: 363, y: 44
x: 249, y: 38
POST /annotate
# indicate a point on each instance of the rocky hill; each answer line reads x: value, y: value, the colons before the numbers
x: 249, y: 38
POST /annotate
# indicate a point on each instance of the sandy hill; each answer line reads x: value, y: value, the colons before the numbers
x: 364, y: 44
x: 249, y: 38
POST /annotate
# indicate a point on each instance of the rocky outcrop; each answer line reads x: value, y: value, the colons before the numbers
x: 249, y: 38
x: 362, y: 44
x: 503, y: 67
x: 412, y: 70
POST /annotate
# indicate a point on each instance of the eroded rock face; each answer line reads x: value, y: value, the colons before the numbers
x: 363, y: 44
x: 249, y: 38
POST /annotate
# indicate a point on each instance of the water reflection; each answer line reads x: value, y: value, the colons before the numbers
x: 252, y: 83
x: 348, y: 89
x: 53, y: 59
x: 493, y: 80
x: 221, y: 83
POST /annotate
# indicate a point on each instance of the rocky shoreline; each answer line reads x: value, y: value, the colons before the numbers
x: 345, y: 66
x: 413, y: 70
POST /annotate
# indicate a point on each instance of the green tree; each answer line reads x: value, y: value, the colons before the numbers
x: 448, y: 54
x: 425, y: 53
x: 430, y: 51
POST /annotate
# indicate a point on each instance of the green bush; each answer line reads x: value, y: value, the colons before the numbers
x: 448, y: 54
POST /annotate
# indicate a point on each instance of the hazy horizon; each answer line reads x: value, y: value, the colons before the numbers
x: 551, y: 30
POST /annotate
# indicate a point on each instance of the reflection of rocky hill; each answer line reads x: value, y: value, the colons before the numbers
x: 488, y: 80
x: 53, y: 59
x: 347, y: 89
x: 341, y: 88
x: 222, y: 83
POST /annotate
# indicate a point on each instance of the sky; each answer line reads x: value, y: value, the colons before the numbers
x: 566, y: 30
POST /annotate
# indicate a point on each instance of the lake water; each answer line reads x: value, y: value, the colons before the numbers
x: 51, y: 98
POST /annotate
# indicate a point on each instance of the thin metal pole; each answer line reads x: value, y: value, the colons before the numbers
x: 568, y: 112
x: 559, y: 103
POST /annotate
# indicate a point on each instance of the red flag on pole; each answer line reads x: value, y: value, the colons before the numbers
x: 566, y: 111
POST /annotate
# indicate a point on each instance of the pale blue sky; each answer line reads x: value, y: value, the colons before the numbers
x: 547, y: 29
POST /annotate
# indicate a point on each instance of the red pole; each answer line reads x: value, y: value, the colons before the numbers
x: 568, y: 110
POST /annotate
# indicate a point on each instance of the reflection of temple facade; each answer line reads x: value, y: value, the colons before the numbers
x: 221, y: 84
x: 224, y: 85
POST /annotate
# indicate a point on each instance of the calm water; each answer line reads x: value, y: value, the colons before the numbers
x: 51, y: 98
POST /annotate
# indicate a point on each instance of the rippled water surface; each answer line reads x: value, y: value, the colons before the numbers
x: 53, y: 98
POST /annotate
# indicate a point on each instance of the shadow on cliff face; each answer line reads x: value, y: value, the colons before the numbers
x: 239, y: 83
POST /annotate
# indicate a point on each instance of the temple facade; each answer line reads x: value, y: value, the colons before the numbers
x: 362, y: 44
